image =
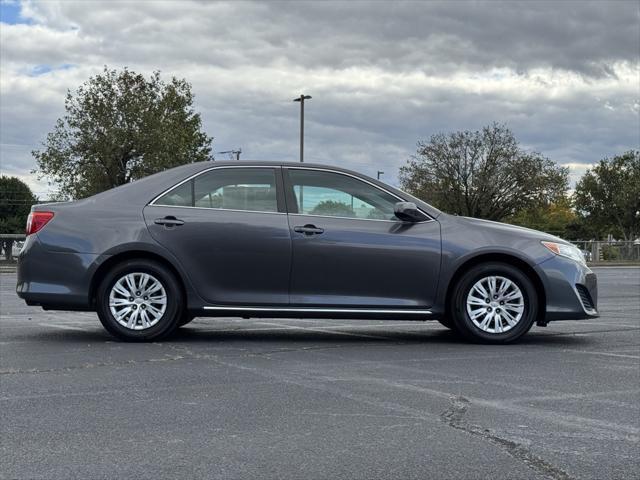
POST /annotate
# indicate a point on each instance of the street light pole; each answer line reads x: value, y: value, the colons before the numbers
x: 301, y: 99
x: 380, y: 172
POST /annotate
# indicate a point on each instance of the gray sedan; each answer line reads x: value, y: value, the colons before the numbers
x: 257, y: 239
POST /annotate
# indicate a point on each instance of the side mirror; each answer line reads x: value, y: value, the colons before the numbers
x: 408, y: 212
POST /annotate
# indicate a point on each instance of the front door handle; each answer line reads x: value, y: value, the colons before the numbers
x: 169, y: 221
x: 309, y: 230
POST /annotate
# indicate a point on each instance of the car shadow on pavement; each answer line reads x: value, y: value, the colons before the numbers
x: 305, y: 335
x: 327, y: 335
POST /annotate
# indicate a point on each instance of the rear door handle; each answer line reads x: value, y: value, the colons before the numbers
x: 309, y: 230
x: 169, y: 221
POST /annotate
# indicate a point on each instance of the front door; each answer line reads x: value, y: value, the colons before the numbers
x: 229, y: 230
x: 350, y: 250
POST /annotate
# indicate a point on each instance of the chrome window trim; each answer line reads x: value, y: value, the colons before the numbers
x: 274, y: 167
x: 318, y: 310
x: 353, y: 218
x: 218, y: 209
x: 428, y: 219
x: 154, y: 204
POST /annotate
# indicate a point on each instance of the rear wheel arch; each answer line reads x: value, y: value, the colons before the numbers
x: 119, y: 258
x: 512, y: 260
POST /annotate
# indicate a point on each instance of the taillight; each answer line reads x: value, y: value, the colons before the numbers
x: 37, y: 220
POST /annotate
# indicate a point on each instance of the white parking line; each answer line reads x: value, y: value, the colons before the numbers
x: 324, y: 330
x: 63, y: 327
x: 607, y: 354
x: 610, y: 324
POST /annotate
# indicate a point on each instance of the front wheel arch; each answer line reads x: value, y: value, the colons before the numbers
x: 516, y: 262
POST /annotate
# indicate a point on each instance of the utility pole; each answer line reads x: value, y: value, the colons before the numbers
x: 301, y: 99
x: 231, y: 153
x: 380, y: 172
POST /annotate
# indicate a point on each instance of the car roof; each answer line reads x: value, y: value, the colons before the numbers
x: 267, y: 163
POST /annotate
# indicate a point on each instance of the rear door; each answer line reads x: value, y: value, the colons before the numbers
x: 229, y: 230
x: 350, y: 250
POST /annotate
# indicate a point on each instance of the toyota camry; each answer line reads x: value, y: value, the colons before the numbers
x: 256, y: 239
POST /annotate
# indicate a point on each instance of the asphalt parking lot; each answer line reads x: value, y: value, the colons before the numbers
x: 232, y: 398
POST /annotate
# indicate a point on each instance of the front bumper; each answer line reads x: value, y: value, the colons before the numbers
x: 571, y: 289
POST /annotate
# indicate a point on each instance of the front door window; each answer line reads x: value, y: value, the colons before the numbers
x: 337, y: 195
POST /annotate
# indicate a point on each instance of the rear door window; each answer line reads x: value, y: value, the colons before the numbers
x: 250, y: 189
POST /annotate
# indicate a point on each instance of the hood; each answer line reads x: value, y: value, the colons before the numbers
x: 510, y: 229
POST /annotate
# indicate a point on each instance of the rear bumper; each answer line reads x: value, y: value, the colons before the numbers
x: 571, y: 289
x: 54, y: 280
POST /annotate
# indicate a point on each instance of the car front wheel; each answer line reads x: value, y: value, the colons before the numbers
x: 494, y: 303
x: 140, y: 300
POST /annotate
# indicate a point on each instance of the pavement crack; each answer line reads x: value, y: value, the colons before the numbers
x: 455, y: 413
x: 454, y: 417
x: 86, y: 366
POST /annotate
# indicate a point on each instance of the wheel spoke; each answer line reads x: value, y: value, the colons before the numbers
x: 515, y: 295
x: 492, y: 285
x: 119, y: 302
x: 145, y: 319
x: 143, y: 282
x: 497, y: 323
x: 476, y: 301
x: 133, y: 318
x: 516, y: 308
x: 158, y: 300
x: 510, y: 318
x: 485, y: 322
x: 130, y: 283
x: 156, y: 313
x: 154, y: 288
x: 478, y: 286
x: 121, y: 315
x: 118, y: 288
x: 506, y: 285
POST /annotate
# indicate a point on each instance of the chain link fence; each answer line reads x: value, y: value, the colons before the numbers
x: 10, y: 245
x: 609, y: 251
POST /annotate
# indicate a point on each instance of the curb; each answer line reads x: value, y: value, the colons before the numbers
x: 613, y: 264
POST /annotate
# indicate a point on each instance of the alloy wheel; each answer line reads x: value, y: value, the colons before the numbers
x: 495, y: 304
x: 137, y: 301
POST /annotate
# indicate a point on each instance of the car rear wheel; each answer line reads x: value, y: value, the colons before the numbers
x: 140, y: 300
x: 494, y: 303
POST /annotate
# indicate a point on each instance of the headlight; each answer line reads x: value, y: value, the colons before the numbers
x: 566, y: 250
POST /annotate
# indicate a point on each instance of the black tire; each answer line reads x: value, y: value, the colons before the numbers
x: 168, y: 321
x: 458, y: 307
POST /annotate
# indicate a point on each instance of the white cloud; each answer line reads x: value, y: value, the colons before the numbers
x: 565, y: 77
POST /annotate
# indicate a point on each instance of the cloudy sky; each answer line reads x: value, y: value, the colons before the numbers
x: 565, y: 76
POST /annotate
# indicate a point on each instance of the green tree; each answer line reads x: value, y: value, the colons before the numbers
x: 331, y: 207
x: 16, y: 199
x: 120, y: 126
x: 484, y: 174
x: 607, y: 197
x: 557, y: 218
